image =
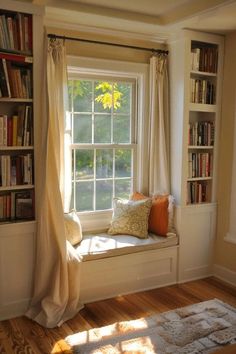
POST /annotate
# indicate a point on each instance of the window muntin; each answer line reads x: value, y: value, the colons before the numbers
x: 103, y: 141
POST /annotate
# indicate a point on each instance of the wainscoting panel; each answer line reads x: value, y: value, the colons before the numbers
x: 108, y: 277
x: 16, y: 268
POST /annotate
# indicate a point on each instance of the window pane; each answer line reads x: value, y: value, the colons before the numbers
x: 84, y: 168
x: 102, y: 96
x: 123, y: 90
x: 103, y: 195
x: 123, y: 188
x: 102, y: 129
x: 82, y: 128
x: 72, y: 164
x: 82, y: 96
x: 121, y: 127
x: 123, y: 163
x: 104, y: 163
x: 84, y: 196
x: 72, y: 206
x: 70, y: 93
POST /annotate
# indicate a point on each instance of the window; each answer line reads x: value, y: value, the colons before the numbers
x: 102, y: 111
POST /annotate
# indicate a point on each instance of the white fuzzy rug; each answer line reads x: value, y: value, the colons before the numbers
x: 199, y: 328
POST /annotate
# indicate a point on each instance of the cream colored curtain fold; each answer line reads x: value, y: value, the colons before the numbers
x: 57, y: 270
x: 159, y: 179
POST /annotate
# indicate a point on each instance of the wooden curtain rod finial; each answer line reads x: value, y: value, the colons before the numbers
x: 153, y: 50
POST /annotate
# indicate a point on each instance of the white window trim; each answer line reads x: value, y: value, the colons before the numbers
x: 231, y: 234
x: 99, y: 220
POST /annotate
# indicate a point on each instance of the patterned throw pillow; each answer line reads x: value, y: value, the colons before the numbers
x: 130, y: 217
x: 158, y: 222
x: 73, y: 227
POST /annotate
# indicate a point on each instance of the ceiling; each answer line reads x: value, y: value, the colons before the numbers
x: 153, y: 18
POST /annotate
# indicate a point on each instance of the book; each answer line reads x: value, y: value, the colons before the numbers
x: 24, y: 208
x: 3, y: 82
x: 6, y: 76
x: 13, y: 206
x: 20, y: 125
x: 10, y: 32
x: 5, y: 32
x: 1, y: 207
x: 5, y: 130
x: 13, y: 171
x: 9, y: 131
x: 1, y: 130
x: 14, y: 130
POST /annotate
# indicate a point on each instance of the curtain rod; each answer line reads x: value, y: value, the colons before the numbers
x: 153, y: 50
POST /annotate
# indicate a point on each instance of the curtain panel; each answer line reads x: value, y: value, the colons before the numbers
x: 159, y: 178
x: 57, y: 269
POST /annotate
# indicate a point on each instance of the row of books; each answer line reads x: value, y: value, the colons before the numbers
x: 15, y: 80
x: 16, y: 32
x: 199, y: 164
x: 17, y: 130
x: 201, y: 133
x: 202, y: 91
x: 16, y: 170
x: 197, y: 192
x: 17, y: 205
x: 204, y: 59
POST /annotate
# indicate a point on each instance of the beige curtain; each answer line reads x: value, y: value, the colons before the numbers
x: 159, y: 179
x: 57, y: 270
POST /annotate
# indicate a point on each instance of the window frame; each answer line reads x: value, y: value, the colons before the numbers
x: 125, y: 71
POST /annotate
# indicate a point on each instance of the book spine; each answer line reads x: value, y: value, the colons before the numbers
x: 1, y: 130
x: 6, y: 77
x: 4, y: 130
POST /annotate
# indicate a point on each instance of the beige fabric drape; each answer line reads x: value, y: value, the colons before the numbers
x: 57, y: 270
x: 159, y: 179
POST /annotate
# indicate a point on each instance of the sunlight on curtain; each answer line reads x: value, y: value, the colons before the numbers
x: 57, y: 270
x: 159, y: 179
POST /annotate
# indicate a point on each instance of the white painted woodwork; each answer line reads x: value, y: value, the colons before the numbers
x: 196, y: 229
x: 225, y: 274
x: 195, y: 223
x: 231, y: 235
x: 17, y: 240
x: 17, y: 244
x: 108, y: 277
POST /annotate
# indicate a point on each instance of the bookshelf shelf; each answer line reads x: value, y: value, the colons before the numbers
x: 16, y: 188
x: 17, y: 100
x: 198, y: 147
x: 202, y: 73
x: 16, y: 148
x: 201, y: 107
x: 199, y: 179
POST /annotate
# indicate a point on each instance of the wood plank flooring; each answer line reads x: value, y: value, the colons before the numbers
x: 21, y: 335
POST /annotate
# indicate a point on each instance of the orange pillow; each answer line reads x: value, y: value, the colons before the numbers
x: 158, y: 217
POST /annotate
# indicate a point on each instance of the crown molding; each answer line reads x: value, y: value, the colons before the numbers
x: 160, y: 37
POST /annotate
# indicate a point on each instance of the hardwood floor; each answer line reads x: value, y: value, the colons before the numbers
x: 20, y: 335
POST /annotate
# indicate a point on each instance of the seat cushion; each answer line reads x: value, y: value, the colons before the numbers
x: 103, y: 245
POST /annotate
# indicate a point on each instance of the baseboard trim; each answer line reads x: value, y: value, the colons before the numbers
x: 225, y: 274
x: 14, y: 309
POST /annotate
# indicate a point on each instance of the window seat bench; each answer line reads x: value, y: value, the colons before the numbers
x: 122, y: 264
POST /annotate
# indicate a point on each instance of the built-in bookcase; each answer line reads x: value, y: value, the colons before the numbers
x: 201, y: 121
x: 196, y: 62
x: 16, y: 117
x: 21, y: 112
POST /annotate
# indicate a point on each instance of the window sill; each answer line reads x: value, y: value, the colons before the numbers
x: 231, y: 238
x: 94, y: 221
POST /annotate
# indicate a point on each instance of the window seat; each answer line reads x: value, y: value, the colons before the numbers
x: 122, y: 264
x: 102, y: 245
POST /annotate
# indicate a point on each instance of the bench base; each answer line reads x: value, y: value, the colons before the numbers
x: 134, y: 272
